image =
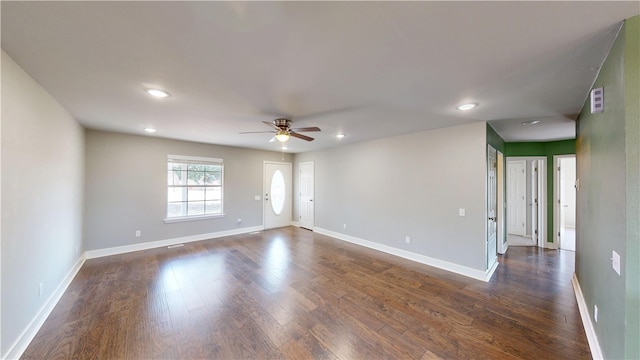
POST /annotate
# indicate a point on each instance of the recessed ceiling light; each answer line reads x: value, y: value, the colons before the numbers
x: 157, y: 93
x: 530, y: 122
x: 150, y: 130
x: 340, y: 136
x: 467, y: 106
x: 284, y: 148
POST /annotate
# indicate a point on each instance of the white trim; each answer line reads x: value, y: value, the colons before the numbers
x: 20, y: 345
x: 592, y: 338
x: 92, y: 254
x: 193, y: 218
x: 195, y: 158
x: 295, y: 223
x: 441, y: 264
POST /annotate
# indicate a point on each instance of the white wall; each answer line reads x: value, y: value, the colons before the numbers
x: 411, y: 185
x: 42, y: 190
x: 126, y: 188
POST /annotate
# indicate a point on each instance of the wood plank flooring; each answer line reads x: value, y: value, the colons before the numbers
x: 291, y: 293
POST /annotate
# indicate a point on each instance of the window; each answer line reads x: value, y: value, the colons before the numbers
x: 194, y: 187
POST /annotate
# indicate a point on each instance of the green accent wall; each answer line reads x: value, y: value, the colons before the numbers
x: 608, y: 201
x: 548, y: 149
x: 632, y: 140
x: 494, y: 139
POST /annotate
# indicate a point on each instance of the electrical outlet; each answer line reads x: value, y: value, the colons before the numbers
x: 407, y: 239
x: 344, y: 226
x: 239, y: 221
x: 595, y: 313
x: 138, y: 233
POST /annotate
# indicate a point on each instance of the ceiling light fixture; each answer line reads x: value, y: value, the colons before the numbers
x: 157, y: 93
x: 530, y: 122
x: 467, y: 106
x: 282, y: 135
x: 340, y: 136
x: 150, y: 130
x: 284, y: 147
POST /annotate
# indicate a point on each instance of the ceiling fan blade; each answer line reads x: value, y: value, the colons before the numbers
x: 300, y: 136
x: 272, y: 139
x: 307, y: 129
x: 256, y: 132
x: 270, y: 123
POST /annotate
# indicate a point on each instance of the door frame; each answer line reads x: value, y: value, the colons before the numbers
x: 264, y: 190
x: 492, y: 201
x: 556, y: 198
x: 542, y: 196
x: 501, y: 239
x: 313, y: 169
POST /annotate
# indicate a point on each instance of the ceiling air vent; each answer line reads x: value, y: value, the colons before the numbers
x: 597, y: 100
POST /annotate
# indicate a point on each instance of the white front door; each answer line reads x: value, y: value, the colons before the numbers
x: 277, y: 195
x: 492, y: 200
x: 516, y: 202
x: 306, y: 195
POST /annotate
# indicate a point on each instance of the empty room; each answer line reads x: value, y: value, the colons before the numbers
x: 305, y: 180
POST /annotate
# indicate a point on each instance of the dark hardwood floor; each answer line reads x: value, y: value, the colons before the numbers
x: 292, y: 293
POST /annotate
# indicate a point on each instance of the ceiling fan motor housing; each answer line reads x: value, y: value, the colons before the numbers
x: 282, y: 123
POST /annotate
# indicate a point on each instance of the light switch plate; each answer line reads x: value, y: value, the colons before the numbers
x: 615, y: 261
x: 461, y: 212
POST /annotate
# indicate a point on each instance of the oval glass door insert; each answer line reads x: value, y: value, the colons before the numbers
x: 277, y: 192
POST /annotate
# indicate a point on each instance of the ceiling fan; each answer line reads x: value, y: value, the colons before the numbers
x: 282, y: 129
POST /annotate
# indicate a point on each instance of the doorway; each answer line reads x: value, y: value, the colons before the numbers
x: 526, y: 211
x: 306, y: 195
x: 277, y: 195
x: 565, y: 201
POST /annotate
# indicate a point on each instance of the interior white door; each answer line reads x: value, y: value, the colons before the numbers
x: 306, y: 195
x: 492, y: 200
x: 534, y: 200
x: 516, y: 201
x: 277, y: 195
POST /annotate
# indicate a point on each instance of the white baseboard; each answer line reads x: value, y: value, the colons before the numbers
x: 92, y: 254
x: 441, y: 264
x: 295, y: 223
x: 20, y: 345
x: 592, y: 338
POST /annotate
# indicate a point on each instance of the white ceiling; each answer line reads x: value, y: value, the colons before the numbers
x: 368, y: 69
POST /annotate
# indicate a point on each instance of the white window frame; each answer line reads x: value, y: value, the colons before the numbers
x: 189, y: 160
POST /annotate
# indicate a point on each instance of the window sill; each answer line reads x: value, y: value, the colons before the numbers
x: 192, y: 218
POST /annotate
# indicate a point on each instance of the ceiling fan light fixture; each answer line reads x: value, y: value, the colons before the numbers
x: 282, y: 136
x: 157, y: 93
